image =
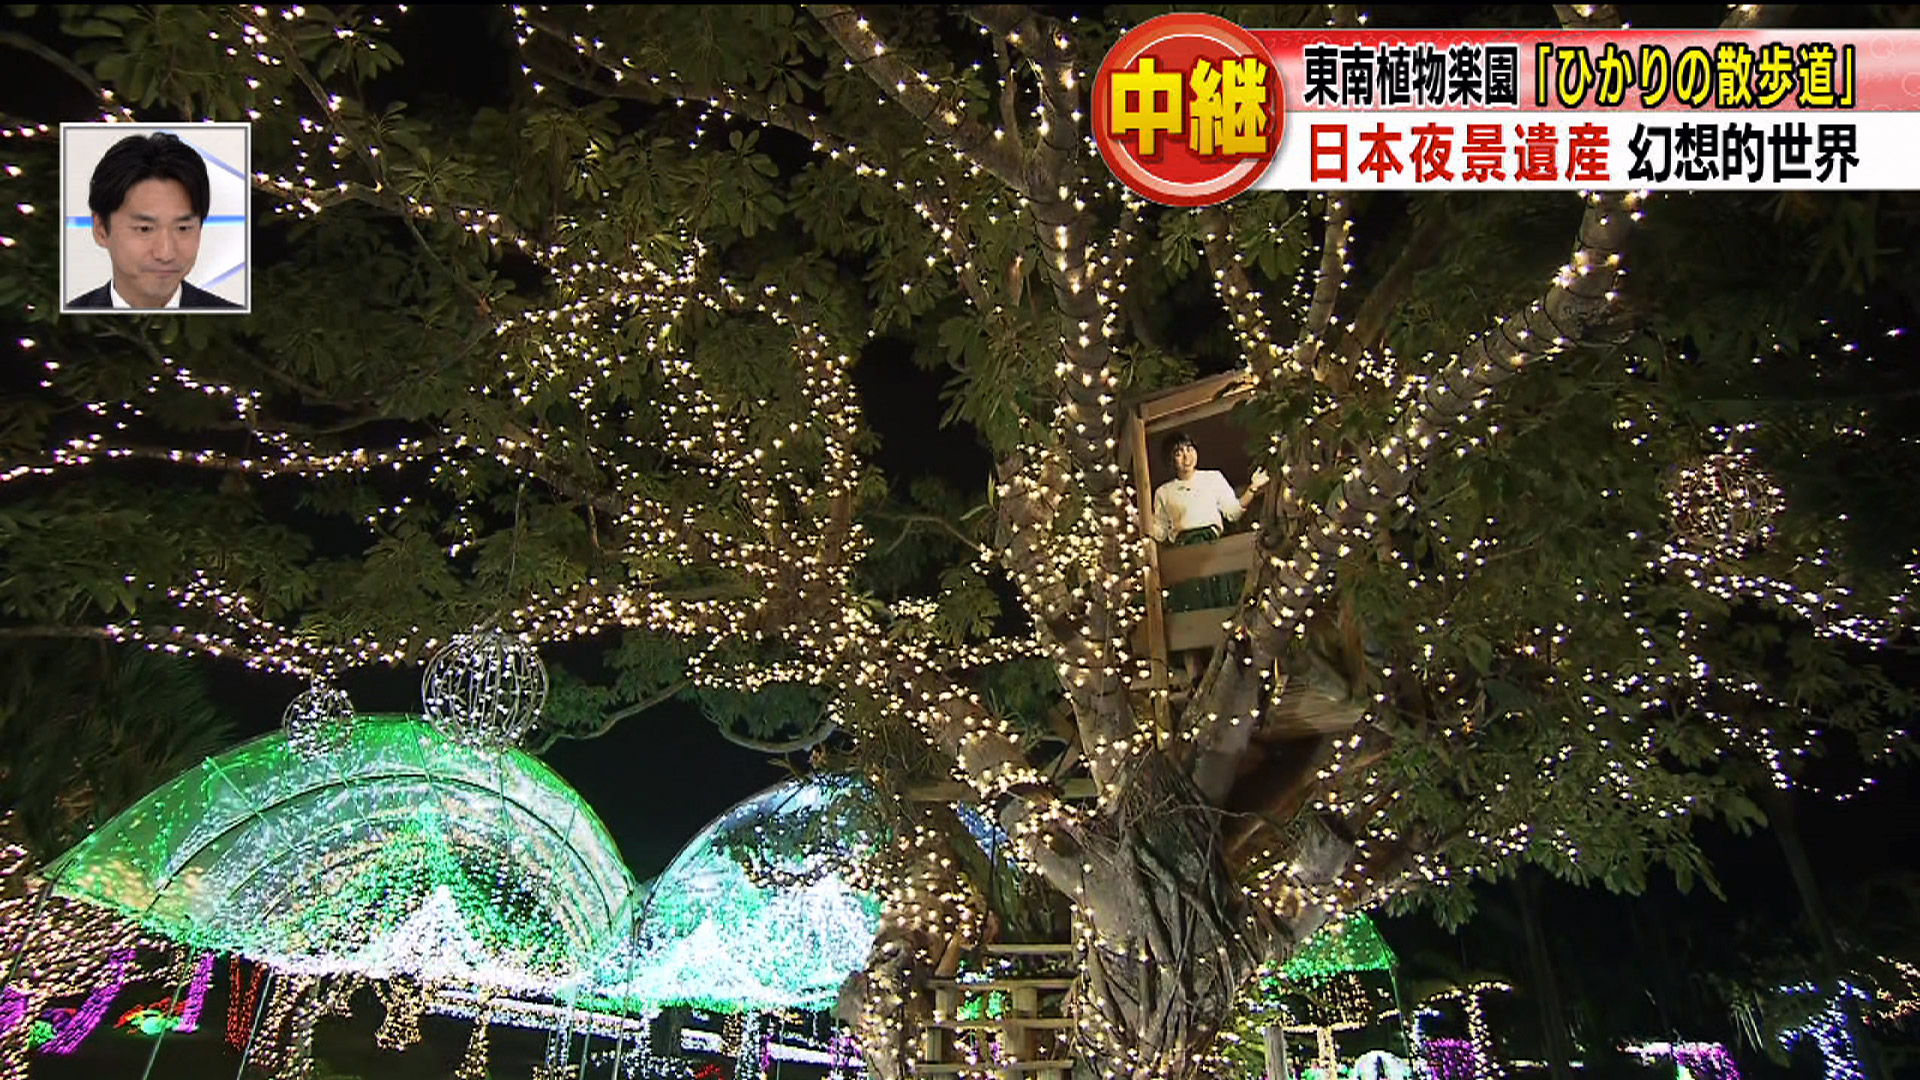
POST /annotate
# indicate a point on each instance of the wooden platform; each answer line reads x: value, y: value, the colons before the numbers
x: 1003, y: 984
x: 1032, y: 948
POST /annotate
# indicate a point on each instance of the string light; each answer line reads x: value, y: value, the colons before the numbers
x: 1070, y: 545
x: 1472, y: 1058
x: 1830, y: 1030
x: 401, y: 854
x: 54, y: 948
x: 162, y: 1015
x: 319, y: 721
x: 1691, y: 1060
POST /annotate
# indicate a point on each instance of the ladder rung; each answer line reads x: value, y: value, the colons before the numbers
x: 1004, y: 984
x: 1005, y: 1022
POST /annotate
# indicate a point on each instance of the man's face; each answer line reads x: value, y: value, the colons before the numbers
x: 1185, y: 460
x: 152, y: 239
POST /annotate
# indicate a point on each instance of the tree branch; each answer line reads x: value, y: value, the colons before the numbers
x: 1009, y: 92
x: 946, y: 119
x: 1757, y: 16
x: 290, y: 56
x: 355, y: 460
x: 1587, y: 16
x: 910, y: 520
x: 1567, y: 316
x: 63, y: 64
x: 1332, y: 277
x: 1234, y: 285
x: 807, y: 740
x: 658, y: 697
x: 1369, y: 325
x: 657, y: 87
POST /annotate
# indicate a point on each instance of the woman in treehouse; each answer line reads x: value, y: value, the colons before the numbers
x: 1195, y: 507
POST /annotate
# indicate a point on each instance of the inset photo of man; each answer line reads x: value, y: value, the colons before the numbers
x: 154, y: 218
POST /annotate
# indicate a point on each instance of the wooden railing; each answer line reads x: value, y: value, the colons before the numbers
x: 1197, y: 629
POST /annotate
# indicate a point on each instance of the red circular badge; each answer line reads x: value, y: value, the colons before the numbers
x: 1187, y: 109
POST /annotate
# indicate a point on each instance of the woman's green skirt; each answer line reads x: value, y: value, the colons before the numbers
x: 1199, y: 594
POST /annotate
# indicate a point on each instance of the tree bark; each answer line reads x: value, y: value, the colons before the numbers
x: 1556, y: 1042
x: 1786, y: 827
x: 1174, y: 935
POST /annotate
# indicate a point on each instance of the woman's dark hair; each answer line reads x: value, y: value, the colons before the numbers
x: 1174, y: 442
x: 158, y: 156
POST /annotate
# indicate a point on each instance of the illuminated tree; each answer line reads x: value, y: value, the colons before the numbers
x: 581, y: 363
x: 90, y: 728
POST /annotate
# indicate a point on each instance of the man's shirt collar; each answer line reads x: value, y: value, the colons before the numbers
x: 121, y: 301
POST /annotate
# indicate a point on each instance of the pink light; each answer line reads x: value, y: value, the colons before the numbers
x: 197, y: 995
x: 1702, y: 1060
x: 1452, y: 1059
x: 93, y: 1009
x: 1707, y: 1061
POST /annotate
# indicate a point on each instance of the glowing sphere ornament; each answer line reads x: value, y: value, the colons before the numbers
x: 319, y: 721
x: 1725, y: 505
x: 485, y: 689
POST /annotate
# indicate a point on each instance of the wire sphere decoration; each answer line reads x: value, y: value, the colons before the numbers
x: 319, y: 721
x: 485, y: 689
x: 1725, y: 505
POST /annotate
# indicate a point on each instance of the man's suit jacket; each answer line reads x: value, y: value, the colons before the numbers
x: 191, y: 299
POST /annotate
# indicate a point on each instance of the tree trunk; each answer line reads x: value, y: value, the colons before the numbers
x: 1175, y: 937
x: 1786, y: 826
x: 1556, y: 1043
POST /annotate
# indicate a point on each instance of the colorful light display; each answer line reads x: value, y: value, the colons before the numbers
x: 1352, y: 944
x: 52, y: 948
x: 401, y: 853
x: 164, y: 1015
x: 1829, y: 1030
x: 1698, y: 1060
x: 784, y: 935
x: 244, y: 985
x: 1474, y: 1054
x: 1453, y: 1059
x: 68, y: 1036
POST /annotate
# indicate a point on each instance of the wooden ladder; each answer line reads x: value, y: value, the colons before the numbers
x: 1034, y: 1038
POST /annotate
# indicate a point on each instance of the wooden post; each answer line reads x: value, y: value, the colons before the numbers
x: 933, y: 1041
x: 1276, y: 1045
x: 1025, y: 1005
x: 1156, y: 650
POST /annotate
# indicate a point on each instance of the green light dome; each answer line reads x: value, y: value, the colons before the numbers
x: 1350, y: 944
x: 783, y: 934
x: 399, y: 853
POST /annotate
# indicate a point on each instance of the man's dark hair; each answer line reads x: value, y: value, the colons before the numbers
x: 158, y: 156
x: 1174, y: 442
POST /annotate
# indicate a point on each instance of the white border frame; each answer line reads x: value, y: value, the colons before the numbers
x: 247, y: 222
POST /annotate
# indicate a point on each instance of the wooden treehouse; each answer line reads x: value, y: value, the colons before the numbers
x: 1200, y: 410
